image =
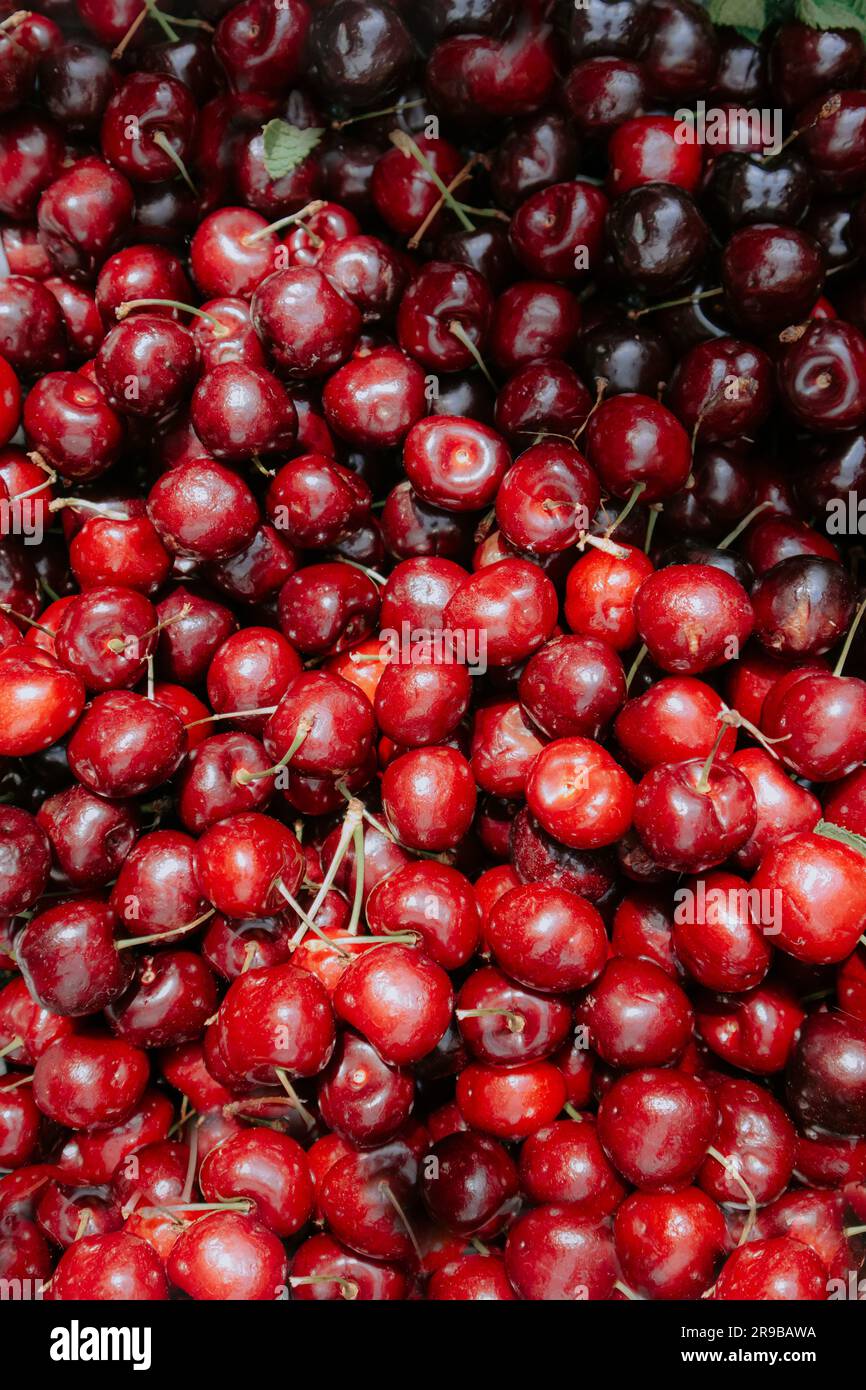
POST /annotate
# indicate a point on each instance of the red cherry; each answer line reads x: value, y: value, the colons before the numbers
x: 228, y: 1256
x: 755, y: 1030
x: 428, y: 796
x: 692, y: 617
x: 126, y: 744
x: 554, y: 1253
x: 771, y: 1270
x: 818, y: 884
x: 546, y: 938
x: 565, y: 1163
x: 366, y: 995
x: 89, y: 1082
x: 112, y: 1266
x: 471, y: 1278
x: 579, y: 794
x: 275, y: 1018
x: 636, y: 1015
x: 433, y: 900
x: 242, y: 862
x: 269, y: 1168
x: 324, y: 1271
x: 655, y: 1126
x: 669, y: 1244
x: 757, y: 1138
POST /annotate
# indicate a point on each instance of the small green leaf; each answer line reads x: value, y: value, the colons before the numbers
x: 286, y: 146
x: 738, y: 14
x: 833, y: 14
x: 845, y: 837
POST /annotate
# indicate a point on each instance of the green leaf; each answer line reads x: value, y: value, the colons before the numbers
x: 286, y: 146
x: 738, y: 14
x: 845, y: 837
x: 833, y: 14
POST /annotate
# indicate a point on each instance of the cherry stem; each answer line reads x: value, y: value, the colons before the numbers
x: 82, y: 503
x: 734, y: 1173
x: 220, y: 330
x: 243, y: 778
x: 23, y: 1081
x: 163, y: 935
x: 601, y: 385
x: 634, y: 498
x: 383, y: 111
x: 849, y: 1231
x: 830, y: 107
x: 186, y: 1114
x: 400, y: 938
x: 190, y: 1167
x: 32, y: 491
x: 31, y: 622
x: 12, y: 1046
x: 231, y: 714
x: 572, y: 1113
x: 407, y: 146
x: 458, y: 180
x: 374, y: 575
x: 348, y: 1288
x: 459, y: 332
x: 655, y: 513
x: 307, y: 921
x: 292, y: 219
x: 515, y: 1021
x: 351, y: 820
x: 735, y: 720
x: 249, y: 957
x: 602, y: 543
x: 358, y: 900
x: 162, y: 142
x: 843, y: 655
x: 122, y: 644
x: 675, y: 303
x: 629, y: 1293
x: 633, y: 670
x: 703, y: 782
x: 741, y: 525
x: 297, y: 1103
x: 386, y: 1190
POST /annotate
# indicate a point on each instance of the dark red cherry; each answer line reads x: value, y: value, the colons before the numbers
x: 89, y: 1082
x: 681, y: 56
x: 803, y: 606
x: 242, y: 862
x: 554, y: 1253
x: 692, y: 617
x: 203, y: 510
x: 112, y: 1266
x: 832, y: 140
x: 147, y: 366
x: 827, y: 1074
x: 327, y: 608
x: 157, y: 889
x: 25, y: 858
x: 90, y: 837
x: 40, y: 700
x: 636, y: 1015
x: 772, y: 1270
x: 655, y: 1127
x: 168, y: 1002
x: 772, y: 275
x: 267, y: 1167
x: 719, y: 935
x: 504, y: 1023
x: 455, y: 463
x: 631, y: 439
x: 509, y: 606
x: 82, y: 213
x: 278, y: 1017
x: 429, y: 796
x: 306, y: 323
x: 822, y: 377
x: 694, y: 814
x: 68, y: 419
x: 657, y: 237
x: 374, y: 400
x: 126, y: 744
x: 238, y: 412
x: 533, y: 320
x: 261, y: 48
x: 470, y: 1184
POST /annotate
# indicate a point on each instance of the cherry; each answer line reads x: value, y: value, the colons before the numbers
x: 603, y: 93
x: 69, y: 958
x: 655, y: 1127
x: 657, y: 237
x: 682, y: 53
x: 472, y: 1184
x: 512, y: 1102
x: 757, y: 1138
x: 32, y: 332
x: 555, y: 1253
x: 509, y: 605
x: 165, y: 115
x: 168, y: 1002
x: 307, y: 324
x: 81, y: 214
x: 314, y: 501
x: 755, y: 1030
x: 368, y: 272
x: 455, y: 463
x: 533, y: 319
x: 722, y: 389
x: 192, y: 627
x: 147, y: 366
x: 340, y: 720
x: 156, y: 890
x: 63, y: 1211
x: 504, y: 745
x: 558, y: 225
x: 772, y: 275
x: 831, y: 138
x: 267, y: 1167
x: 502, y: 1022
x: 322, y: 1270
x: 111, y: 1266
x: 375, y: 399
x: 279, y: 1017
x: 676, y: 718
x: 547, y: 938
x: 421, y: 702
x: 363, y: 1097
x: 825, y: 1079
x: 261, y: 50
x: 237, y: 411
x: 19, y: 1124
x: 428, y: 796
x: 444, y: 316
x: 547, y: 499
x: 203, y: 510
x: 25, y: 859
x: 692, y: 617
x: 565, y: 1163
x: 669, y: 1243
x: 626, y: 1035
x: 251, y: 669
x: 843, y: 804
x: 105, y: 636
x: 647, y: 150
x: 228, y: 1255
x: 243, y: 863
x: 26, y: 1028
x: 88, y: 1082
x: 366, y: 993
x: 364, y: 1198
x: 805, y: 62
x: 93, y: 1157
x: 630, y: 440
x: 471, y: 1278
x: 579, y: 794
x: 68, y: 419
x: 770, y: 1270
x: 126, y: 744
x: 822, y: 376
x: 820, y: 901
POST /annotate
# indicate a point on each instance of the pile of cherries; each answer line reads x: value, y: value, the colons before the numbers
x: 432, y: 700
